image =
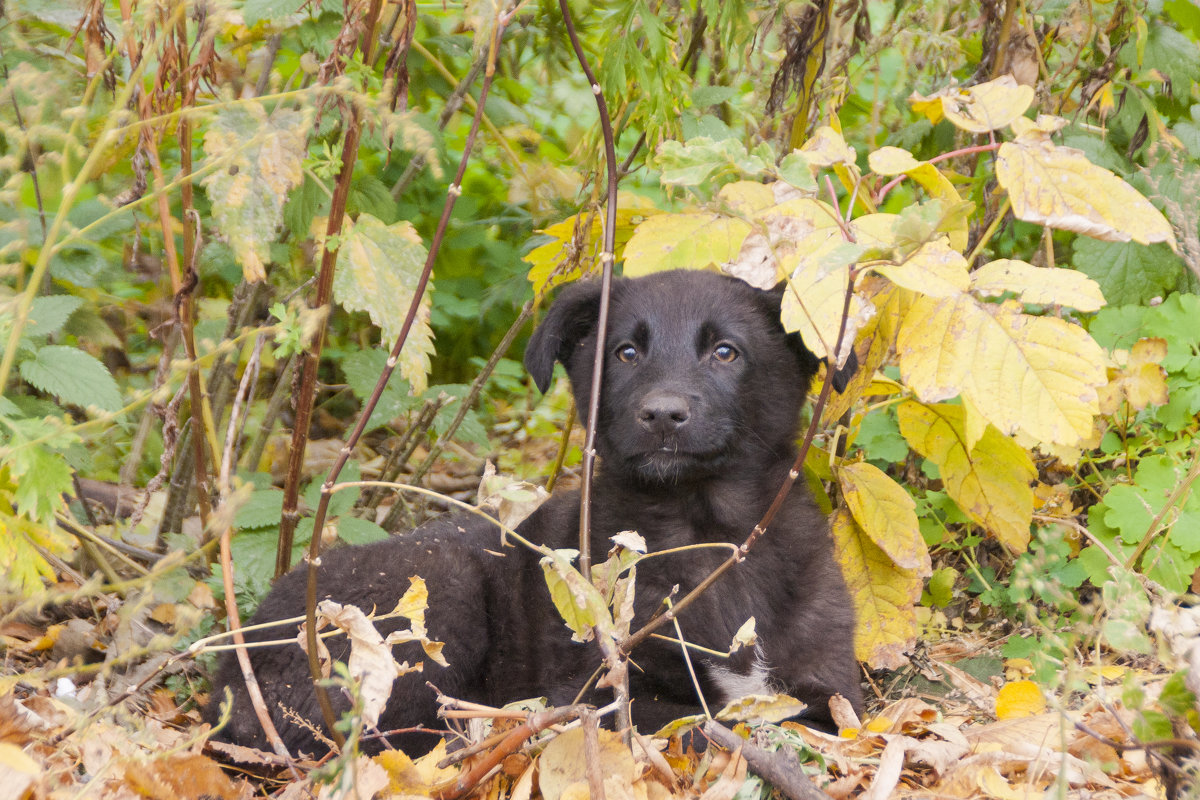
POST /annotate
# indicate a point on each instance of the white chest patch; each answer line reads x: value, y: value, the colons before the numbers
x: 734, y: 685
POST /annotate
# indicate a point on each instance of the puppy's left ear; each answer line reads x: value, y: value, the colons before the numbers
x: 568, y: 322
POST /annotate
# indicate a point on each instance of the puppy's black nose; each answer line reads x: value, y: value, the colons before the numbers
x: 663, y: 412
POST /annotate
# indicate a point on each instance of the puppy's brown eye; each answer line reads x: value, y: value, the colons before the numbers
x: 627, y: 353
x: 725, y: 353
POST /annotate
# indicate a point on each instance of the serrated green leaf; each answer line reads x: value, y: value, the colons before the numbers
x: 259, y: 158
x: 263, y: 509
x: 73, y: 376
x: 353, y: 530
x: 1126, y: 271
x: 302, y: 205
x: 378, y: 270
x: 49, y: 313
x: 42, y: 477
x: 256, y: 11
x: 340, y: 502
x: 362, y: 369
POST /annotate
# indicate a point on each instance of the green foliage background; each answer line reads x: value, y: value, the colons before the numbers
x: 115, y: 153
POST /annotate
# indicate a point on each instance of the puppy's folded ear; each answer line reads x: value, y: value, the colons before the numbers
x: 568, y: 322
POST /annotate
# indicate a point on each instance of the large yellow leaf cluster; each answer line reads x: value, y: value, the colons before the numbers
x: 989, y: 355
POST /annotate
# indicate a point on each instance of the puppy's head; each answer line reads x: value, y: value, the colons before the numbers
x: 698, y: 372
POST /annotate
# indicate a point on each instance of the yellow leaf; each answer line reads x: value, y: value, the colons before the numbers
x: 1034, y: 374
x: 989, y: 482
x: 563, y: 763
x: 747, y: 197
x: 575, y: 247
x: 816, y: 292
x: 885, y: 512
x: 1141, y: 381
x: 883, y: 594
x: 872, y: 344
x: 378, y: 269
x: 684, y: 241
x: 1037, y: 285
x: 1019, y: 699
x: 826, y: 148
x: 934, y: 269
x: 420, y: 777
x: 978, y: 109
x: 1058, y: 187
x: 894, y: 161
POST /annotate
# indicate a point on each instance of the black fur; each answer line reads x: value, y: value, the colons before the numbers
x: 698, y: 420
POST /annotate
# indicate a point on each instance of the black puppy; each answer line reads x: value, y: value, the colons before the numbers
x: 698, y: 420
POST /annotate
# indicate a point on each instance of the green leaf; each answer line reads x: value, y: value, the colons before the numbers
x: 73, y: 376
x: 262, y: 510
x: 1118, y: 327
x: 1176, y: 698
x: 1152, y: 726
x: 302, y: 206
x: 1127, y: 609
x: 256, y: 160
x: 579, y: 603
x: 341, y: 501
x: 353, y: 530
x: 1171, y: 53
x: 42, y: 477
x: 362, y: 369
x: 1126, y: 271
x: 696, y: 161
x: 1175, y: 320
x: 256, y: 11
x: 378, y: 270
x: 941, y: 586
x: 705, y: 96
x: 49, y: 313
x: 82, y: 265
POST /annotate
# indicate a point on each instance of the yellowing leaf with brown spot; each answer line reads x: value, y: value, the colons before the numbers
x: 1058, y: 187
x: 885, y: 512
x: 257, y: 159
x: 1039, y: 285
x: 978, y: 109
x: 1019, y: 699
x: 989, y: 482
x: 934, y: 269
x: 575, y: 247
x: 378, y: 269
x: 883, y: 594
x: 684, y: 241
x: 1034, y: 374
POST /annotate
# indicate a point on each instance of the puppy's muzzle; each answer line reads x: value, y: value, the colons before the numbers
x: 663, y: 413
